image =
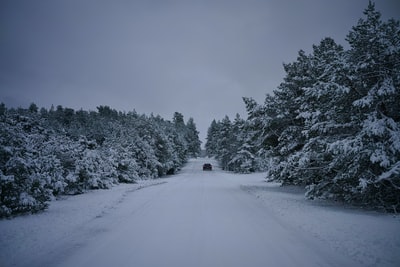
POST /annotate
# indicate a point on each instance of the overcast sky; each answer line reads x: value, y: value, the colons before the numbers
x: 195, y: 57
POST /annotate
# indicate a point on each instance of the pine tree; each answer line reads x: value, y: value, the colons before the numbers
x: 192, y: 138
x: 225, y: 143
x: 212, y: 138
x: 333, y: 124
x: 325, y: 114
x: 60, y: 151
x: 375, y: 72
x: 242, y: 156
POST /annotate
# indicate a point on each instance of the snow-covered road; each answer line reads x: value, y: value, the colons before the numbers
x: 196, y: 218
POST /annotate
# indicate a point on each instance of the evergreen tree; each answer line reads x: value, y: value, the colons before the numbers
x: 212, y: 137
x: 60, y: 151
x: 192, y: 138
x: 333, y: 124
x: 243, y: 159
x: 374, y: 173
x: 225, y: 143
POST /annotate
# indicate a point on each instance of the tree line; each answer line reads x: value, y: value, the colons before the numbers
x: 332, y: 125
x: 47, y: 153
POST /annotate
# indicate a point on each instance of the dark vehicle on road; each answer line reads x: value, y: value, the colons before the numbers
x: 207, y: 167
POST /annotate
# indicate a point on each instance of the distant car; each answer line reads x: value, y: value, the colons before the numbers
x: 207, y: 167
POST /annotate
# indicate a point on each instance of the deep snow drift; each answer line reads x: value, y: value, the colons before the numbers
x: 200, y: 218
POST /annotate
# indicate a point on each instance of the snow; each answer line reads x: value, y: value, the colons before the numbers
x: 29, y: 240
x: 370, y: 238
x: 198, y: 218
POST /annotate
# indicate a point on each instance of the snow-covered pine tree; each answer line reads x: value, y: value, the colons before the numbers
x: 23, y: 168
x: 225, y: 143
x: 212, y: 137
x: 61, y: 151
x: 325, y: 110
x: 263, y: 129
x: 179, y: 137
x: 288, y: 99
x: 334, y: 123
x: 242, y: 156
x: 373, y: 176
x: 192, y: 137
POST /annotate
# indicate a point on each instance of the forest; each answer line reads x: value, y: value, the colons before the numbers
x: 332, y: 125
x: 48, y: 153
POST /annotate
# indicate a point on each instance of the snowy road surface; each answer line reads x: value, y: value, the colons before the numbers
x: 199, y: 218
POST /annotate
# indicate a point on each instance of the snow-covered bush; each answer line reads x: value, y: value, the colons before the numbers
x: 22, y: 182
x: 60, y: 151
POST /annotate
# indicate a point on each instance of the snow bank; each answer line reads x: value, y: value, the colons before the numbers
x: 371, y: 238
x: 24, y: 238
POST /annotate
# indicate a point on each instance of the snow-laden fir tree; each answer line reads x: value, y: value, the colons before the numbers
x: 243, y: 160
x: 192, y: 137
x: 333, y: 124
x: 212, y: 137
x: 373, y: 175
x: 61, y: 151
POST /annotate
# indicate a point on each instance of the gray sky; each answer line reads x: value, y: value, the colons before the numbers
x: 195, y: 57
